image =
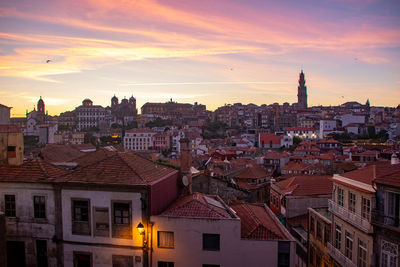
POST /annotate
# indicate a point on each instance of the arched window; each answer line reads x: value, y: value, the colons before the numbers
x: 389, y: 254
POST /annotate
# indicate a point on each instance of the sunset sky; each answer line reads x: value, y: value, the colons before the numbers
x: 214, y: 52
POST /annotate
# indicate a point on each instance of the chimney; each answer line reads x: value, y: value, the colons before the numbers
x: 186, y: 163
x: 394, y: 160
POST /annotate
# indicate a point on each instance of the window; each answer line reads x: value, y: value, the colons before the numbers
x: 352, y: 202
x: 338, y: 237
x: 82, y: 259
x: 122, y: 261
x: 327, y: 234
x: 80, y: 210
x: 362, y: 254
x: 121, y: 213
x: 211, y: 242
x: 340, y: 196
x: 11, y: 152
x: 80, y: 217
x: 283, y: 253
x: 366, y: 208
x: 39, y: 206
x: 389, y: 254
x: 9, y: 205
x: 349, y: 246
x: 165, y: 239
x: 101, y: 221
x: 312, y: 225
x: 165, y: 264
x: 41, y: 253
x: 121, y: 221
x: 319, y: 231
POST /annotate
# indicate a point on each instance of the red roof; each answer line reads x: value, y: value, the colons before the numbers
x: 60, y: 153
x: 257, y: 223
x: 267, y: 138
x: 276, y: 155
x: 295, y: 166
x: 389, y: 176
x: 36, y: 170
x: 9, y: 128
x: 306, y: 185
x: 255, y: 172
x: 122, y: 168
x: 200, y: 206
x: 384, y: 173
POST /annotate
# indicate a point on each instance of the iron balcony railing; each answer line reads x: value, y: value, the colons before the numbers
x: 358, y: 221
x: 339, y: 256
x: 384, y: 220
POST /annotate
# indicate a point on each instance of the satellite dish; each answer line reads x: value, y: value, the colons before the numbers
x: 185, y: 180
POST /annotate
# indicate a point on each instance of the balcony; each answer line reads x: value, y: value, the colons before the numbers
x: 380, y: 219
x: 339, y: 256
x: 361, y: 223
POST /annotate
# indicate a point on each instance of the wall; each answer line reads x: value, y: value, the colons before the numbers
x: 296, y: 206
x: 24, y: 227
x: 12, y: 139
x: 163, y: 193
x: 234, y: 251
x: 101, y: 199
x: 216, y: 186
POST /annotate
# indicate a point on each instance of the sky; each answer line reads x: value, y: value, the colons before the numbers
x: 210, y: 52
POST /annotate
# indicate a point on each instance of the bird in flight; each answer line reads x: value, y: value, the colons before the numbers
x: 48, y: 61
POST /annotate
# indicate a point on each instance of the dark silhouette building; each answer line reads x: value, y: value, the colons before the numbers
x: 302, y: 92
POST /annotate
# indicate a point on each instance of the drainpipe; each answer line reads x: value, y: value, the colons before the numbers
x: 151, y: 244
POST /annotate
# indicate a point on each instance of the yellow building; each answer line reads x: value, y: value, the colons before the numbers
x: 11, y: 145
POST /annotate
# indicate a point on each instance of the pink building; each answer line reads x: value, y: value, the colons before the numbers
x: 201, y: 230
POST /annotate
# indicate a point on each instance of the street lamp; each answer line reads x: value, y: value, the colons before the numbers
x: 140, y: 228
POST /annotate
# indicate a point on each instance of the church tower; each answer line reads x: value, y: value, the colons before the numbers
x: 40, y: 106
x: 302, y: 92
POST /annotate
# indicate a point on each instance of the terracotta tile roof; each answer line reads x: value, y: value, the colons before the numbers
x: 200, y: 206
x: 36, y: 170
x: 382, y: 173
x: 122, y: 168
x: 9, y: 128
x: 59, y: 153
x: 269, y: 137
x: 89, y: 158
x: 390, y: 177
x: 256, y: 223
x: 247, y: 185
x: 306, y: 185
x: 276, y: 155
x: 255, y: 172
x: 295, y: 166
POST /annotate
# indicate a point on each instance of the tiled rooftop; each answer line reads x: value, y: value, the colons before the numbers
x: 254, y: 172
x: 200, y: 206
x: 9, y: 128
x: 59, y: 153
x: 257, y: 223
x: 36, y: 170
x: 306, y: 185
x: 123, y: 168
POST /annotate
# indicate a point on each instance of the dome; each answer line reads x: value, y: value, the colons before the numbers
x: 87, y: 102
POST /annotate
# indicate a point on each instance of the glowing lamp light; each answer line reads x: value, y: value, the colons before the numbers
x: 140, y: 228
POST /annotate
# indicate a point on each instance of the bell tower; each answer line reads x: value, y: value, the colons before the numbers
x: 40, y: 106
x: 302, y: 92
